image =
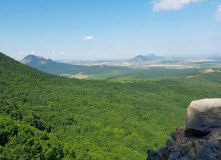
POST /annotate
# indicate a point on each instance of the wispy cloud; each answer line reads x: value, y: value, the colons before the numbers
x: 165, y: 5
x: 62, y: 53
x: 87, y: 38
x: 32, y: 52
x: 20, y: 53
x: 218, y: 13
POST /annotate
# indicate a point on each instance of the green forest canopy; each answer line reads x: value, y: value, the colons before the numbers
x: 45, y: 116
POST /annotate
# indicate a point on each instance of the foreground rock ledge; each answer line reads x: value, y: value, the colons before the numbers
x: 200, y: 139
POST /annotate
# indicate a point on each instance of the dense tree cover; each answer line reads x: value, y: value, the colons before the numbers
x: 95, y: 119
x: 140, y: 74
x: 64, y: 68
x: 20, y: 141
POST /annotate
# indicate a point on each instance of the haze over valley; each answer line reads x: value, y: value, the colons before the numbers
x: 140, y: 67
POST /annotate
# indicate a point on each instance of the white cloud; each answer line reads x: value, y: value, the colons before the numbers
x: 160, y: 5
x: 20, y: 52
x: 32, y: 52
x: 87, y: 38
x: 218, y: 13
x: 62, y: 53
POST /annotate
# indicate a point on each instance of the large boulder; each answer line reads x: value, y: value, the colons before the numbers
x: 203, y: 116
x: 200, y: 139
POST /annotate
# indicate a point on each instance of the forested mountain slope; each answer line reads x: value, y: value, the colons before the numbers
x: 92, y: 119
x: 23, y: 135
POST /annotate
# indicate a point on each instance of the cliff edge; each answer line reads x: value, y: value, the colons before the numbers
x: 200, y: 139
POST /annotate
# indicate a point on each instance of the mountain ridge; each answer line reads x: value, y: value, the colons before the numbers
x: 148, y: 57
x: 33, y: 60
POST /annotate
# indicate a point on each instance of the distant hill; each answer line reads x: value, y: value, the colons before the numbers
x: 103, y: 71
x: 216, y: 58
x: 33, y: 60
x: 63, y: 69
x: 149, y: 57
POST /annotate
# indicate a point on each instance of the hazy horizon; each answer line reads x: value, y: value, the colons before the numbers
x: 208, y: 57
x: 110, y: 30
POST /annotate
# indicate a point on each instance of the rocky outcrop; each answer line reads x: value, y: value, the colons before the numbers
x: 203, y: 116
x: 33, y: 61
x: 200, y: 139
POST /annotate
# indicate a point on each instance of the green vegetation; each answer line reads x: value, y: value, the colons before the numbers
x: 64, y: 68
x: 113, y: 73
x: 20, y: 141
x: 104, y: 72
x: 141, y: 74
x: 44, y: 116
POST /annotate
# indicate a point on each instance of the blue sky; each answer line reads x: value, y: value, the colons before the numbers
x: 109, y: 29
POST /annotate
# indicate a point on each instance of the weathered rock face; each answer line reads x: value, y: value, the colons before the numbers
x: 203, y: 116
x: 200, y: 139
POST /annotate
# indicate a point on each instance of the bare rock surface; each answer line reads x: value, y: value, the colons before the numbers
x: 203, y: 116
x: 200, y: 139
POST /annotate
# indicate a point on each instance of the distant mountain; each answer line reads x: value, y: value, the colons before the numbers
x: 64, y: 69
x: 149, y: 57
x: 33, y: 60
